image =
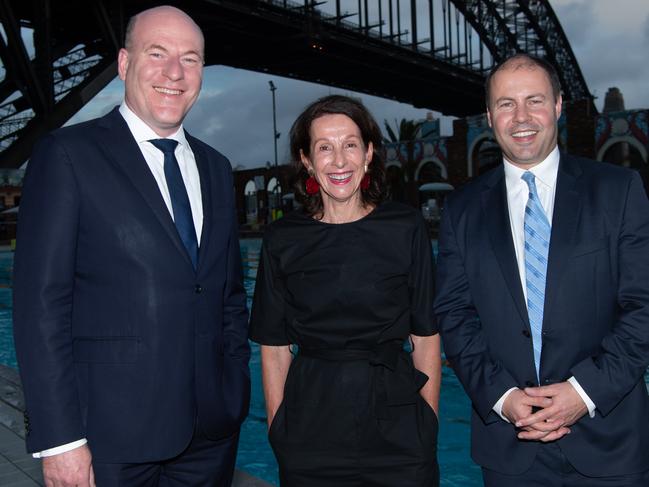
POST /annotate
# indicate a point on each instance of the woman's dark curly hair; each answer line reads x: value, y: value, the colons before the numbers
x: 301, y: 140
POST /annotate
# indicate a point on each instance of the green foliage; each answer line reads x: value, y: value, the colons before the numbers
x: 406, y: 130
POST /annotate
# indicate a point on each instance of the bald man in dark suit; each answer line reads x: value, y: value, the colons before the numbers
x: 130, y: 313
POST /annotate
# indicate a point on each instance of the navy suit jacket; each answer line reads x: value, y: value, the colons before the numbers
x: 596, y: 318
x: 119, y: 340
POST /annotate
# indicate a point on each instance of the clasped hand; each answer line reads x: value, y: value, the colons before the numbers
x: 559, y: 407
x: 70, y: 469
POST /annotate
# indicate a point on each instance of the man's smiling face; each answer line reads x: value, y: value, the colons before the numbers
x: 162, y: 68
x: 523, y: 113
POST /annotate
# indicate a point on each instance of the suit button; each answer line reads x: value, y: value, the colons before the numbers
x: 529, y: 383
x: 198, y: 289
x: 544, y: 333
x: 526, y: 333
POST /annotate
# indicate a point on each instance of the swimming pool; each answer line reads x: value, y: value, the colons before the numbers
x: 255, y: 456
x: 7, y: 353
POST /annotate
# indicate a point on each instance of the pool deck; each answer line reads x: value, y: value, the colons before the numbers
x: 19, y: 469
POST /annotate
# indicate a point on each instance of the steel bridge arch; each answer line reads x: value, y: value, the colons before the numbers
x: 421, y: 52
x: 531, y: 26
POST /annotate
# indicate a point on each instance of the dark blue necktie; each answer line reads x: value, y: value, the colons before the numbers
x: 179, y: 199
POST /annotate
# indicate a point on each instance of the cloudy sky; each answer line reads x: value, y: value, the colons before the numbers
x: 610, y: 39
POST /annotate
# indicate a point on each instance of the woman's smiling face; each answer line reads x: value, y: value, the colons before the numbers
x: 338, y: 158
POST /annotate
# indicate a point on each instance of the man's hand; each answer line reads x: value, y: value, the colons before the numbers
x: 552, y: 422
x: 518, y: 405
x: 517, y: 408
x: 70, y: 469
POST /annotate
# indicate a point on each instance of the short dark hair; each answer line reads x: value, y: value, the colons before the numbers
x: 522, y: 59
x: 300, y: 136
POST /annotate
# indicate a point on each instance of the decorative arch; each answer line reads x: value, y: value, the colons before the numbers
x: 250, y: 197
x: 485, y: 136
x: 392, y: 163
x: 443, y: 170
x: 633, y: 142
x: 274, y: 185
x: 250, y: 187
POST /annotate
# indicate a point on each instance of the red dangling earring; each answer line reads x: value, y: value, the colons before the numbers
x: 312, y: 186
x: 365, y: 182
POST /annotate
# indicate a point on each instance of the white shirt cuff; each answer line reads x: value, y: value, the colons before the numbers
x: 60, y: 449
x: 498, y: 407
x: 589, y: 404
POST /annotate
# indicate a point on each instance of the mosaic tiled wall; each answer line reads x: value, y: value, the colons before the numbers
x: 422, y: 150
x: 633, y: 124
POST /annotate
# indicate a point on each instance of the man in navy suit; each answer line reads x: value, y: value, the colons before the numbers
x: 543, y: 300
x: 130, y: 314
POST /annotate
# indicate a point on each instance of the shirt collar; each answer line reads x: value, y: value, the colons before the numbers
x: 545, y: 172
x: 142, y: 132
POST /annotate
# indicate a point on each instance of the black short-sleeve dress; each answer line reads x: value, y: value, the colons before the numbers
x: 348, y: 295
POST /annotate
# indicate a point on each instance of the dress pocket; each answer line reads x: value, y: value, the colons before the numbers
x: 427, y: 424
x: 275, y: 423
x: 428, y: 411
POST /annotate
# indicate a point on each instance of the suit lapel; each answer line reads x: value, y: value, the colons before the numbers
x: 567, y: 207
x: 206, y: 194
x: 496, y: 214
x: 124, y: 151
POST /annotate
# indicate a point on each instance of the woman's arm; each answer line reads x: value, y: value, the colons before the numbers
x: 275, y: 361
x: 427, y: 358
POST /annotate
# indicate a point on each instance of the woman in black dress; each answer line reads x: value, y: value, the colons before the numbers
x: 348, y: 280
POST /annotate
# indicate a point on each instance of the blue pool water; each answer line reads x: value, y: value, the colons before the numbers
x: 255, y: 455
x: 7, y: 353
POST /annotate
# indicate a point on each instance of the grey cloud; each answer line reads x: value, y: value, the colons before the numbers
x: 608, y: 55
x: 577, y: 20
x: 101, y: 104
x: 238, y: 120
x: 616, y: 60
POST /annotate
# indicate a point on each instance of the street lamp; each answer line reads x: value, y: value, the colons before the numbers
x: 275, y: 134
x: 275, y: 137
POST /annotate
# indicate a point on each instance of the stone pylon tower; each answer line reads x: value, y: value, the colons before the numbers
x: 614, y: 101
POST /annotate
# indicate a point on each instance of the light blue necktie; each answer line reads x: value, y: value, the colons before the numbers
x: 537, y: 243
x: 179, y: 200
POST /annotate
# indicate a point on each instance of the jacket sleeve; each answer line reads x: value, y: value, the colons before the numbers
x: 44, y: 274
x: 624, y: 353
x: 235, y: 311
x: 464, y: 343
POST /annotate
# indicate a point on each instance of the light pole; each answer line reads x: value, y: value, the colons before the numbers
x: 275, y: 137
x: 275, y: 134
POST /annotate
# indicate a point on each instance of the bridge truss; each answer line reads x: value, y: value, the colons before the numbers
x: 57, y: 55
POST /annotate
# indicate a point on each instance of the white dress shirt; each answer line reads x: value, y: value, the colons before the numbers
x: 545, y: 176
x: 155, y: 160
